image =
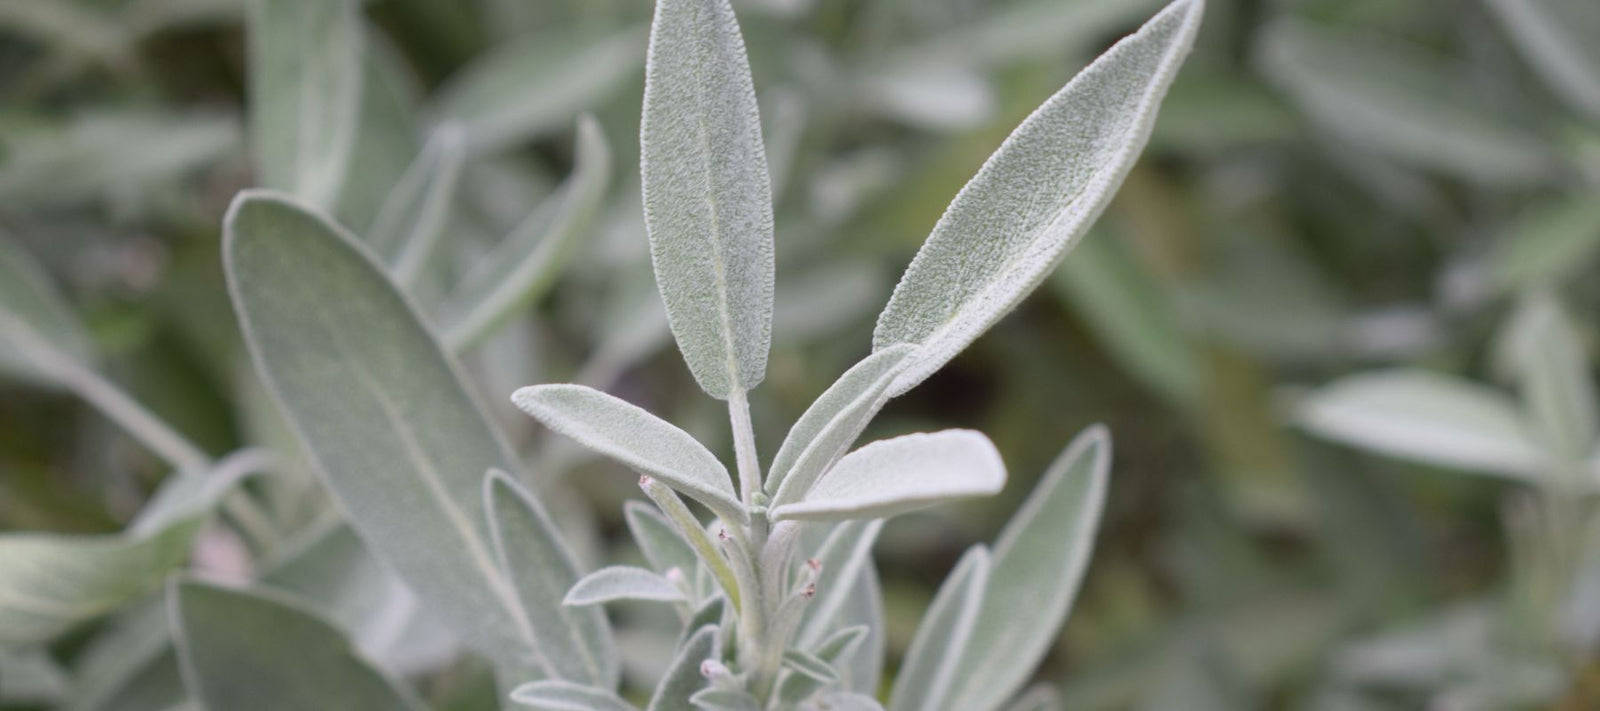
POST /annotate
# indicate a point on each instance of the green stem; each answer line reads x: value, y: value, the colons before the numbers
x: 744, y: 446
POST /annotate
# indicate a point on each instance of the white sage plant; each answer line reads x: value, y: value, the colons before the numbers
x: 778, y: 592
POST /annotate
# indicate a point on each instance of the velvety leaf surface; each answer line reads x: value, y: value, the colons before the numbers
x: 622, y: 582
x: 902, y: 474
x: 931, y: 663
x: 832, y: 424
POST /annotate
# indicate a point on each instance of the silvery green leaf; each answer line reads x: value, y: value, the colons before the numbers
x: 104, y: 154
x: 1548, y: 245
x: 1038, y: 562
x: 30, y: 300
x: 724, y: 700
x: 1040, y: 697
x: 622, y: 582
x: 249, y: 650
x: 832, y: 423
x: 933, y: 91
x: 1034, y: 198
x: 1426, y: 417
x: 305, y: 93
x: 557, y: 695
x: 51, y: 582
x: 531, y: 86
x: 629, y: 434
x: 1543, y: 348
x: 31, y: 677
x: 413, y: 217
x: 683, y: 677
x: 576, y: 644
x: 841, y: 646
x: 381, y: 411
x: 937, y: 649
x: 848, y: 595
x: 657, y: 539
x: 387, y: 138
x: 1124, y: 306
x: 1396, y: 100
x: 1557, y: 37
x: 906, y: 473
x: 523, y: 267
x: 707, y: 194
x: 809, y: 665
x: 129, y: 666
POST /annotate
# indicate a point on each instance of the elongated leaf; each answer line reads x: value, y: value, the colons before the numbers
x: 1402, y: 103
x: 1042, y: 697
x: 29, y: 300
x: 1425, y: 417
x: 937, y: 648
x: 621, y: 582
x: 810, y: 666
x: 1548, y: 245
x: 629, y: 434
x: 129, y: 665
x: 413, y: 216
x: 658, y: 540
x: 1557, y: 36
x: 523, y: 267
x: 1034, y: 198
x: 109, y: 155
x: 1546, y: 352
x: 838, y: 648
x: 707, y: 194
x: 845, y: 701
x: 902, y: 474
x: 387, y: 137
x: 305, y: 93
x: 556, y: 695
x: 576, y: 644
x: 683, y: 677
x: 30, y: 677
x: 1039, y: 560
x: 244, y: 651
x: 846, y: 558
x: 724, y: 700
x: 380, y: 409
x: 832, y: 424
x: 531, y: 86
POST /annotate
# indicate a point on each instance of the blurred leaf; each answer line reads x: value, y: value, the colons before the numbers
x: 408, y: 226
x: 386, y: 140
x: 575, y: 644
x: 1042, y: 697
x: 1426, y: 417
x: 632, y: 436
x: 1543, y: 348
x: 708, y: 194
x: 250, y: 650
x: 29, y: 677
x: 1556, y: 37
x: 1399, y: 102
x: 524, y: 266
x: 305, y: 93
x: 556, y: 695
x: 531, y: 86
x: 1039, y: 561
x: 933, y: 661
x: 848, y: 597
x: 622, y: 582
x: 1547, y: 245
x: 30, y: 300
x: 380, y: 409
x: 109, y: 153
x: 660, y: 543
x: 129, y: 666
x: 1034, y: 198
x: 906, y: 473
x: 724, y: 700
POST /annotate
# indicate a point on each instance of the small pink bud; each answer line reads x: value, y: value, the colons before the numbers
x: 722, y: 534
x: 814, y: 564
x: 644, y: 480
x: 675, y: 574
x: 810, y: 591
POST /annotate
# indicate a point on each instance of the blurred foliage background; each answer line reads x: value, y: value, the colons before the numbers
x: 1334, y: 186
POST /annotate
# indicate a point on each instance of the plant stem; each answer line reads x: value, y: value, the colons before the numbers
x: 744, y: 446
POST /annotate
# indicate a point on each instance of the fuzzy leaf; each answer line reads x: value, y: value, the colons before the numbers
x: 1543, y: 348
x: 846, y: 558
x: 629, y: 434
x: 707, y: 194
x: 249, y: 651
x: 30, y: 301
x: 832, y: 423
x: 1038, y: 562
x: 936, y: 649
x: 1557, y: 36
x: 108, y: 155
x: 844, y: 701
x: 839, y: 647
x: 556, y: 695
x: 1397, y: 100
x: 380, y: 409
x: 724, y: 700
x: 1548, y: 245
x: 523, y: 267
x: 622, y: 582
x: 413, y: 217
x: 305, y: 93
x: 683, y: 678
x: 1425, y: 417
x: 531, y: 86
x: 658, y: 540
x: 902, y: 474
x: 1034, y: 198
x: 577, y: 644
x: 810, y: 666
